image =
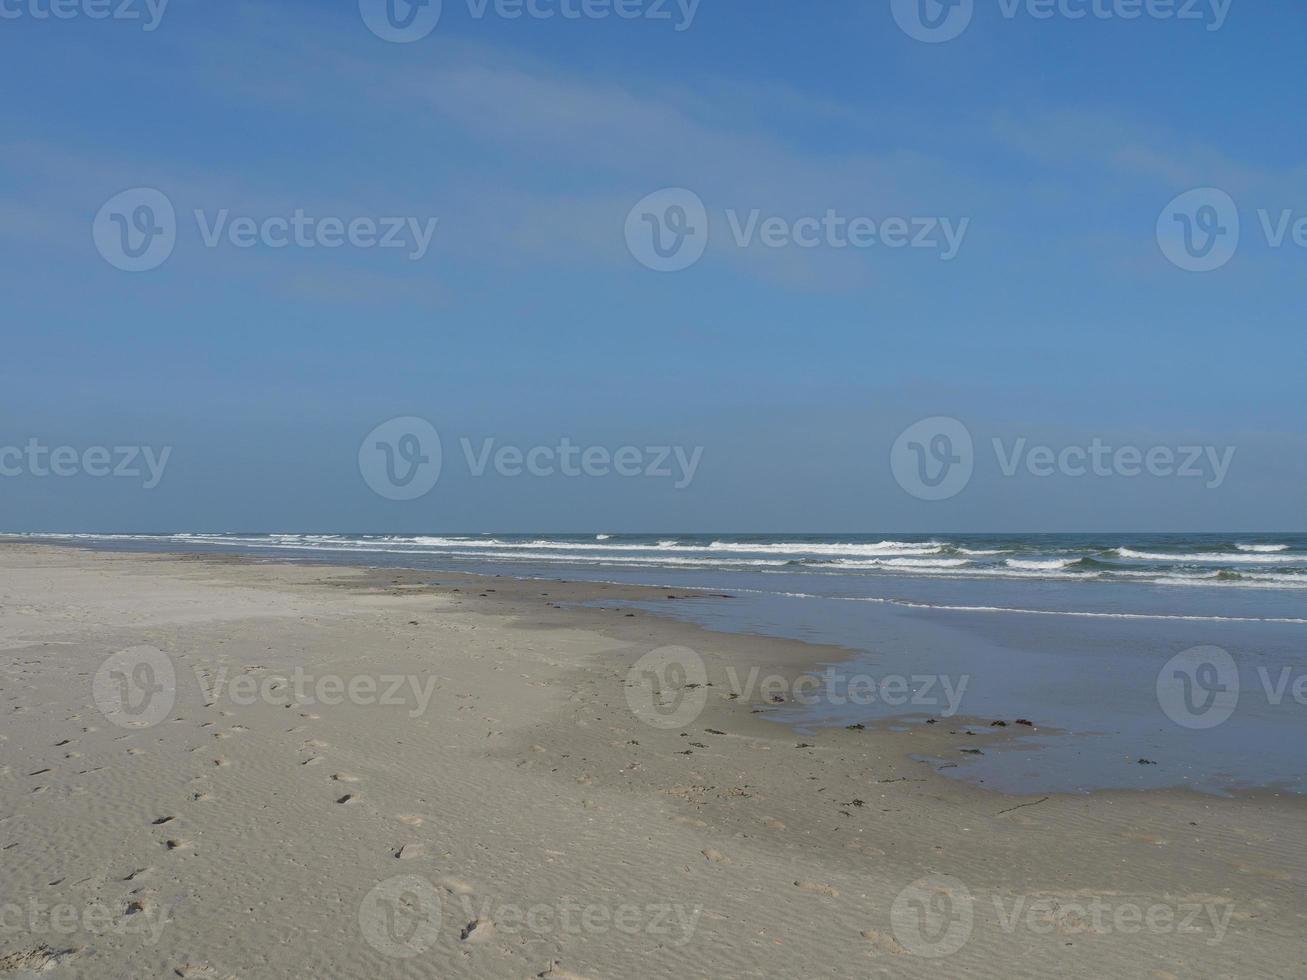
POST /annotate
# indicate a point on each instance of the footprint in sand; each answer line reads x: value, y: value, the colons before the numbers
x: 343, y: 777
x: 869, y: 850
x: 160, y: 821
x: 883, y: 943
x: 138, y: 873
x: 410, y: 819
x: 479, y: 930
x: 407, y: 852
x: 140, y: 900
x: 221, y: 762
x: 312, y: 760
x: 196, y: 971
x: 178, y: 844
x: 40, y: 959
x: 347, y: 798
x: 715, y: 856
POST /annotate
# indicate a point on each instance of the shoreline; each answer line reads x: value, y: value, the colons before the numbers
x: 527, y: 780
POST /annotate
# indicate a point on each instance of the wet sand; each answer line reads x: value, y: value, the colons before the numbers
x: 361, y: 773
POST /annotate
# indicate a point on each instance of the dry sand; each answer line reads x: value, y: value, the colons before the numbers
x: 484, y: 801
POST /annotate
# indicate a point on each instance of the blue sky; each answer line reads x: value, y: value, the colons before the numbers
x: 1060, y: 141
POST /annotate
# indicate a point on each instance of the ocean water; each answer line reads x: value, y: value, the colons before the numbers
x: 1188, y: 651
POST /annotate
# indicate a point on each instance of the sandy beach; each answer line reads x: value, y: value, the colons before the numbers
x: 233, y: 769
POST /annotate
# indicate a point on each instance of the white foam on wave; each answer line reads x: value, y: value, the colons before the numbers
x: 1211, y: 557
x: 1244, y: 582
x: 924, y: 562
x: 642, y: 560
x: 799, y: 548
x: 1262, y: 548
x: 491, y: 550
x: 85, y: 536
x: 1043, y: 564
x: 906, y: 563
x: 1153, y: 576
x: 537, y: 544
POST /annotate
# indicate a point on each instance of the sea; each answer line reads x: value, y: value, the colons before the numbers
x: 1114, y: 661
